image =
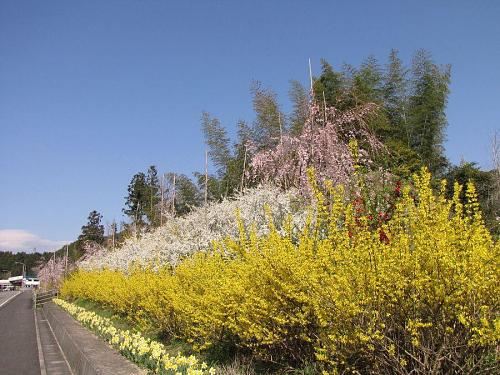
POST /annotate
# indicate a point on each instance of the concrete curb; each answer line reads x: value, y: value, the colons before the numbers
x: 85, y: 352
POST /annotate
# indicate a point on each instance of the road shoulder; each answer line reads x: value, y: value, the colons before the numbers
x: 85, y: 352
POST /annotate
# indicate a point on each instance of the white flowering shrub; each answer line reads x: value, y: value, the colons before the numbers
x: 182, y: 236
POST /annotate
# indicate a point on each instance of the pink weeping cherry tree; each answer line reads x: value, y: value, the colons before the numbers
x: 52, y: 272
x: 332, y: 142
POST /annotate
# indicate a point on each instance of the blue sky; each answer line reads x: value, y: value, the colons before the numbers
x: 92, y: 92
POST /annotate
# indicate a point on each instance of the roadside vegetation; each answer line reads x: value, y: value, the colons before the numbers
x: 414, y: 292
x: 144, y: 351
x: 334, y: 239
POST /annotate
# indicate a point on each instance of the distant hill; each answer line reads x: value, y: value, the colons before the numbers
x: 9, y: 267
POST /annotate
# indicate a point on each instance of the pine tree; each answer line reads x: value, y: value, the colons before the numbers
x: 187, y: 195
x: 93, y: 230
x: 152, y: 197
x: 136, y: 200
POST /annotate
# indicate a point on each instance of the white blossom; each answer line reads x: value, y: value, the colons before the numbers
x: 182, y: 236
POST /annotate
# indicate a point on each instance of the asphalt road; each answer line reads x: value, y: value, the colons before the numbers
x: 5, y: 296
x: 18, y: 342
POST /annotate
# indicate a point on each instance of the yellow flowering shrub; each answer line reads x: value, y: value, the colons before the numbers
x: 423, y: 297
x: 144, y: 351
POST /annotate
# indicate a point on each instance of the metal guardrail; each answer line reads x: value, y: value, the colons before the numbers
x: 43, y: 297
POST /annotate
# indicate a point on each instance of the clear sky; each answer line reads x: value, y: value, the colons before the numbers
x: 92, y: 92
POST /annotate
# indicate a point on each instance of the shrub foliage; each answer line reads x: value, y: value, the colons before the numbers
x: 416, y: 294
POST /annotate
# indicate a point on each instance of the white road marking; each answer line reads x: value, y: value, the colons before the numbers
x: 8, y: 299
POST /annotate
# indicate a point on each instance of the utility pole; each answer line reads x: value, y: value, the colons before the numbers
x: 281, y: 129
x: 312, y: 98
x: 136, y: 218
x: 206, y: 177
x: 24, y: 272
x: 151, y: 205
x: 66, y: 262
x: 173, y: 198
x: 53, y: 267
x: 113, y: 231
x: 244, y: 167
x: 24, y: 268
x: 310, y: 75
x: 324, y: 106
x: 162, y: 197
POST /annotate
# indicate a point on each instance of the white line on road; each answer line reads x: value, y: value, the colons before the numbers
x: 8, y: 299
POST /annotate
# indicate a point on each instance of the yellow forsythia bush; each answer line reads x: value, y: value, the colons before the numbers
x: 139, y: 349
x: 422, y: 298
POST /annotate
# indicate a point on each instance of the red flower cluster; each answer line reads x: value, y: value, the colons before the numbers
x: 376, y: 218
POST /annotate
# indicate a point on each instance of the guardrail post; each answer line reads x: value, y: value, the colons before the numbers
x: 43, y: 297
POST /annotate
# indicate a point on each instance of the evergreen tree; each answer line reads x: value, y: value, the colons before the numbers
x: 300, y: 102
x: 136, y: 200
x: 187, y: 195
x: 427, y: 119
x: 181, y: 194
x: 411, y: 120
x: 229, y: 176
x: 367, y: 87
x: 402, y: 159
x: 10, y: 262
x: 152, y: 196
x: 93, y: 230
x: 395, y: 96
x: 233, y: 180
x: 485, y: 184
x: 330, y: 87
x: 217, y: 141
x: 215, y: 191
x: 270, y: 122
x: 367, y: 82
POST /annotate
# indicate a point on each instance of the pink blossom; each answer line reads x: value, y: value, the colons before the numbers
x: 323, y: 145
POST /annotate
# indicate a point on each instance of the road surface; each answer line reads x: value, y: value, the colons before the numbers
x: 5, y: 296
x: 18, y: 342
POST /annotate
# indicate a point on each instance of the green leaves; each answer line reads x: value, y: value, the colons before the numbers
x: 93, y: 230
x: 143, y: 198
